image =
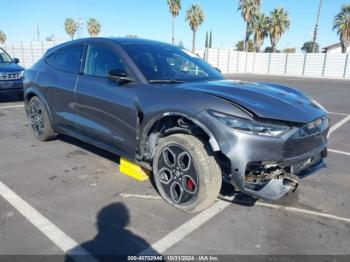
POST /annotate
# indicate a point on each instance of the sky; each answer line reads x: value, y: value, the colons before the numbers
x: 151, y: 19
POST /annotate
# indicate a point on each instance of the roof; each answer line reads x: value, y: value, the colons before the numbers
x: 333, y: 46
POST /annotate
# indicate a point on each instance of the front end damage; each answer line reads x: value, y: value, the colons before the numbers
x: 272, y: 180
x: 269, y: 167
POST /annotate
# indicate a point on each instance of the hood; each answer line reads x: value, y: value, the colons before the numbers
x: 264, y: 100
x: 10, y: 67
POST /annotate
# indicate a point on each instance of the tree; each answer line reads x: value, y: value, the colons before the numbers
x: 195, y: 17
x: 93, y: 27
x: 211, y: 39
x: 269, y: 49
x: 248, y: 9
x: 131, y: 36
x: 206, y: 40
x: 342, y: 25
x: 174, y: 8
x: 279, y: 23
x: 71, y: 27
x: 308, y: 47
x: 240, y: 46
x: 289, y: 50
x: 181, y: 44
x: 260, y: 24
x: 2, y: 37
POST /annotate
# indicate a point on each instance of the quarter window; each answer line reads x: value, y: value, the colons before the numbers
x: 67, y: 59
x: 100, y: 60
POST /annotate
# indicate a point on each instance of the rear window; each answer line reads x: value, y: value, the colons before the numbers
x: 67, y: 59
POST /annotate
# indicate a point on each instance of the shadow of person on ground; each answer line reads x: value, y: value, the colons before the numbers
x: 113, y: 241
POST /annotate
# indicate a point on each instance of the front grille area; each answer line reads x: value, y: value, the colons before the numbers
x: 9, y: 76
x: 307, y: 138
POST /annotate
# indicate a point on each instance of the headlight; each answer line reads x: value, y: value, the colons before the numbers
x: 251, y: 126
x: 20, y: 74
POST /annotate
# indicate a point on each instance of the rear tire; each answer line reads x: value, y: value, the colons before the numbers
x: 39, y: 120
x: 186, y: 174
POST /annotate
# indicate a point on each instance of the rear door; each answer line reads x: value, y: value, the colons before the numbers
x: 59, y: 81
x: 107, y: 112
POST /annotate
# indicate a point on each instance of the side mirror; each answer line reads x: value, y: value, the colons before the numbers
x: 15, y: 60
x: 119, y: 76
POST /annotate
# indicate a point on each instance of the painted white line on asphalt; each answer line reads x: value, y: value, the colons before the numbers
x: 184, y: 230
x: 147, y: 197
x: 56, y: 235
x: 339, y: 114
x: 339, y: 152
x: 304, y: 211
x: 7, y: 107
x: 339, y: 124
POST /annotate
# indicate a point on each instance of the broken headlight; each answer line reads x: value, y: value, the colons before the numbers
x: 251, y: 126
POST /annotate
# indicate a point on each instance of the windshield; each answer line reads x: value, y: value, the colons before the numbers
x: 165, y: 63
x: 4, y: 57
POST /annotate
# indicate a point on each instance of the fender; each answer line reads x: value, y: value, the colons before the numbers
x: 144, y: 133
x: 32, y: 91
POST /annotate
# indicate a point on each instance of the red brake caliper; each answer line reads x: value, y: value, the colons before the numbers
x: 190, y: 184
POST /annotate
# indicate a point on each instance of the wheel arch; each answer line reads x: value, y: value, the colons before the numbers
x: 157, y: 126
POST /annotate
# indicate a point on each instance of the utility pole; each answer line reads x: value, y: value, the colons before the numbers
x: 316, y: 27
x: 80, y: 24
x: 38, y: 32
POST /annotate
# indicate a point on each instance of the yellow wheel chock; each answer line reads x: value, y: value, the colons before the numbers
x: 133, y: 170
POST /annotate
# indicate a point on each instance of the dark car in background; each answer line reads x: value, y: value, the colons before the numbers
x: 11, y: 74
x: 173, y: 113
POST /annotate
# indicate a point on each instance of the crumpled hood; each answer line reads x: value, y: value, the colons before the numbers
x: 10, y: 67
x: 264, y: 100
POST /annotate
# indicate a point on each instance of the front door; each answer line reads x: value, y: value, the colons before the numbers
x: 107, y: 112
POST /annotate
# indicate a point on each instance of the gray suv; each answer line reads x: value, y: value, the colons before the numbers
x: 171, y: 112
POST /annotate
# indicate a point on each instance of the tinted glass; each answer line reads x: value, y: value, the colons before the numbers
x: 165, y: 62
x: 101, y: 59
x: 67, y: 59
x: 4, y: 57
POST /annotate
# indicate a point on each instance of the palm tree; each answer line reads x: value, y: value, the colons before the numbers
x: 195, y: 17
x: 279, y: 23
x: 248, y: 9
x: 174, y: 8
x: 93, y: 27
x: 2, y: 37
x: 342, y: 24
x: 71, y: 27
x: 260, y: 28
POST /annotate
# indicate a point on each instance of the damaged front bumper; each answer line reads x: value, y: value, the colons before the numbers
x: 270, y: 167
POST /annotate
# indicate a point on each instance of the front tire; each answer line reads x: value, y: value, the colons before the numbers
x: 186, y: 173
x: 39, y: 120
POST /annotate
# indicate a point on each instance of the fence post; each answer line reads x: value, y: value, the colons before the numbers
x: 254, y: 62
x: 346, y: 65
x: 32, y: 52
x: 237, y: 67
x: 246, y: 61
x: 268, y: 66
x: 218, y: 59
x: 305, y: 57
x: 324, y: 64
x: 228, y: 61
x: 286, y: 64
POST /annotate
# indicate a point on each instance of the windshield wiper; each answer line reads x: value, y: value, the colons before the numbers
x: 165, y: 81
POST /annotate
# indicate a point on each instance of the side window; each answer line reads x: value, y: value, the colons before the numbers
x: 100, y: 60
x: 67, y: 59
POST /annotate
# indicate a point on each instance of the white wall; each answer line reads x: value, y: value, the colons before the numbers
x: 28, y: 52
x: 295, y: 64
x: 230, y: 61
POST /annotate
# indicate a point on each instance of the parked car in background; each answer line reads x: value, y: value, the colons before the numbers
x: 173, y: 113
x: 11, y: 74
